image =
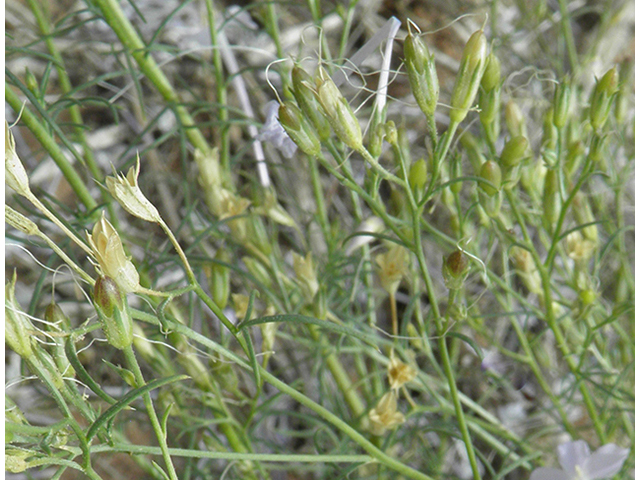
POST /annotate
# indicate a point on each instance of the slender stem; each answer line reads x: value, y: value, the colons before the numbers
x: 52, y: 148
x: 568, y: 35
x: 394, y: 314
x: 122, y: 27
x: 296, y: 395
x: 130, y: 356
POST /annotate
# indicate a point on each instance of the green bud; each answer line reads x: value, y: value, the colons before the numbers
x: 302, y: 91
x: 514, y: 119
x: 297, y: 128
x: 491, y: 77
x: 258, y: 235
x: 113, y: 312
x: 125, y: 374
x: 418, y: 177
x: 514, y: 152
x: 588, y: 296
x: 258, y: 270
x: 490, y: 112
x: 622, y: 99
x: 46, y: 369
x: 455, y: 270
x: 561, y: 101
x: 421, y: 69
x: 474, y: 60
x: 391, y: 133
x: 375, y: 140
x: 491, y: 205
x: 473, y: 149
x: 602, y: 98
x: 31, y: 82
x: 549, y: 132
x: 490, y: 171
x: 575, y: 154
x: 551, y: 203
x: 219, y: 279
x: 17, y: 326
x: 584, y: 215
x: 57, y: 324
x: 338, y: 112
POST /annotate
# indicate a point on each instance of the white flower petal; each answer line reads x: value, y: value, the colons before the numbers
x: 605, y: 462
x: 545, y: 473
x: 572, y: 454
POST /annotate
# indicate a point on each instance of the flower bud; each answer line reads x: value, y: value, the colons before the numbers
x: 391, y: 132
x: 58, y: 323
x: 549, y: 132
x: 526, y: 269
x: 561, y: 101
x: 551, y: 203
x: 455, y: 269
x: 584, y: 215
x: 490, y: 113
x: 113, y: 312
x: 128, y: 194
x: 109, y: 254
x: 490, y: 171
x: 14, y: 173
x: 31, y: 82
x: 602, y: 98
x: 421, y: 69
x: 418, y: 177
x: 297, y: 128
x: 474, y: 60
x: 491, y: 77
x: 17, y: 326
x: 514, y: 119
x: 219, y: 279
x: 307, y: 102
x: 375, y: 140
x: 338, y: 112
x: 514, y: 152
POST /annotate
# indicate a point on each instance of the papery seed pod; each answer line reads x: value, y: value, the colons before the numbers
x: 113, y: 312
x: 338, y: 112
x: 561, y: 103
x: 302, y: 91
x: 298, y: 129
x: 514, y: 119
x: 108, y: 252
x: 490, y: 171
x: 472, y: 65
x: 421, y: 70
x: 526, y: 269
x: 399, y: 373
x: 551, y: 202
x: 15, y: 176
x: 17, y: 326
x: 455, y: 269
x: 385, y: 415
x: 602, y: 98
x: 418, y: 177
x: 126, y: 191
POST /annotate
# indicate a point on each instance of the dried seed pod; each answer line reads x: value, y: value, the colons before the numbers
x: 113, y: 312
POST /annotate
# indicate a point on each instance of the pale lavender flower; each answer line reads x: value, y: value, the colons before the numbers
x: 578, y: 463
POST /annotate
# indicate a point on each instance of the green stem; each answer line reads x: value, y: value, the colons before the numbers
x: 74, y: 110
x: 52, y: 148
x: 132, y: 362
x: 122, y: 27
x: 568, y: 35
x: 296, y: 395
x: 553, y: 324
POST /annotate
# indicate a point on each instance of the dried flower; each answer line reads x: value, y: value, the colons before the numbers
x: 112, y: 262
x: 392, y: 267
x: 455, y: 269
x: 126, y: 191
x: 14, y: 173
x: 579, y: 248
x: 385, y: 415
x: 399, y: 373
x: 306, y: 275
x: 578, y: 463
